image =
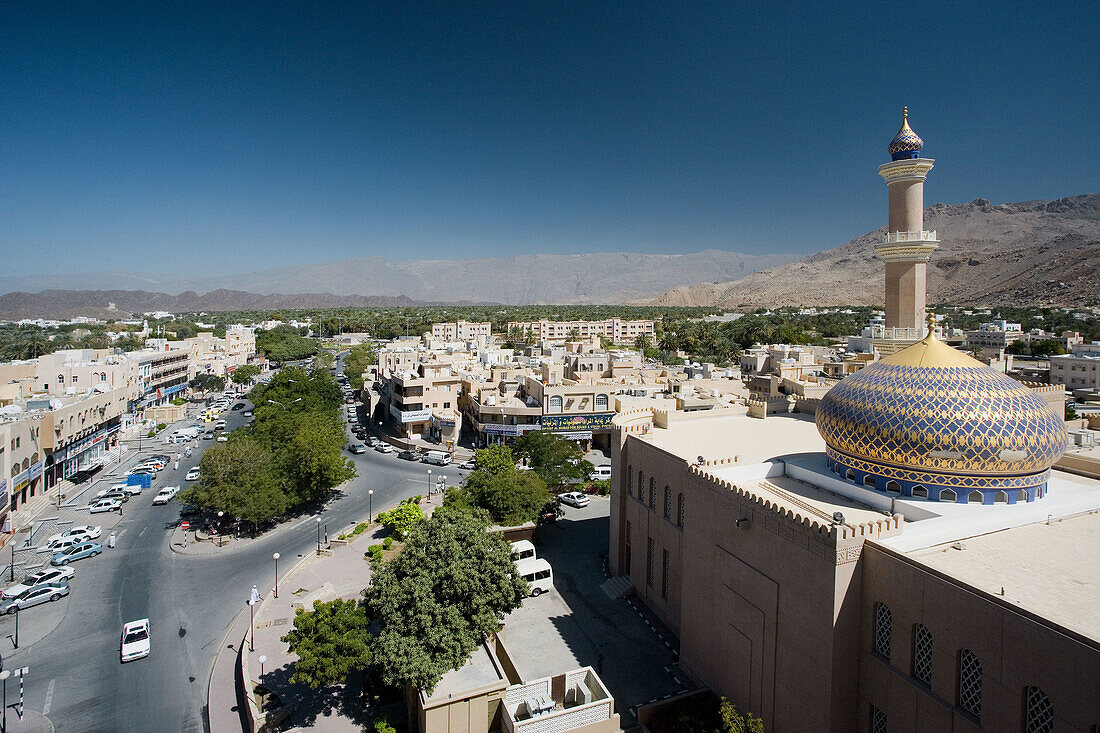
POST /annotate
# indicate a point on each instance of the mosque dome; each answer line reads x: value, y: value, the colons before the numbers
x: 931, y: 422
x: 906, y: 144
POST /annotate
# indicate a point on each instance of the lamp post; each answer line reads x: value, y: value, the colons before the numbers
x: 16, y: 642
x: 220, y: 514
x: 370, y: 504
x: 4, y: 679
x: 429, y: 483
x: 261, y: 660
x: 318, y: 519
x: 11, y: 567
x: 275, y: 557
x: 253, y: 599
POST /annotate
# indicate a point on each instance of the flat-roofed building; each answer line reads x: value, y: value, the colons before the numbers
x: 462, y: 331
x: 616, y: 330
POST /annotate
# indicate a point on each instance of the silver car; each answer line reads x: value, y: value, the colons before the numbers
x: 33, y: 596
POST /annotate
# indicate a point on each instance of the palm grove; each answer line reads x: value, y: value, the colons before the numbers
x: 451, y: 584
x: 291, y: 455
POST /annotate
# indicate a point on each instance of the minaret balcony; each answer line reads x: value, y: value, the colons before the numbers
x: 921, y: 236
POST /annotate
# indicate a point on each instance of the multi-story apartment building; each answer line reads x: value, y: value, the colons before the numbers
x: 163, y: 369
x: 424, y: 402
x: 616, y: 330
x: 1079, y: 370
x: 996, y: 334
x: 212, y: 355
x: 461, y: 331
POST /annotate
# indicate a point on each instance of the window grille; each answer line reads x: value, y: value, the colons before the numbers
x: 668, y: 503
x: 882, y: 630
x: 652, y: 494
x: 1022, y: 495
x: 1039, y: 717
x: 922, y: 654
x: 665, y: 565
x: 970, y: 683
x: 649, y: 563
x: 630, y: 480
x: 975, y: 497
x: 948, y: 495
x: 920, y: 491
x: 680, y: 520
x: 878, y: 720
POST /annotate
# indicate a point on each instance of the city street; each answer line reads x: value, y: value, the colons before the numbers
x: 75, y: 676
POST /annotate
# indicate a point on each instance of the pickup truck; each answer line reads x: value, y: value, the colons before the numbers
x: 165, y: 495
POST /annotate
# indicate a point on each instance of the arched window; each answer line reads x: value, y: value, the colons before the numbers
x: 34, y: 457
x: 26, y: 463
x: 630, y: 480
x: 1021, y: 495
x: 680, y: 510
x: 882, y: 630
x: 668, y: 503
x: 869, y: 480
x: 555, y: 403
x: 922, y: 654
x: 920, y: 491
x: 601, y: 402
x: 1001, y: 497
x: 652, y: 493
x: 103, y: 376
x: 948, y: 495
x: 1038, y: 712
x: 975, y: 497
x: 61, y: 379
x: 893, y: 487
x: 850, y: 475
x: 970, y: 683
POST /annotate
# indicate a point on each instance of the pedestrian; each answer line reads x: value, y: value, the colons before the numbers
x: 111, y: 540
x: 177, y: 464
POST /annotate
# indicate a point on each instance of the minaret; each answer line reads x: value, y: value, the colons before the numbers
x: 906, y: 247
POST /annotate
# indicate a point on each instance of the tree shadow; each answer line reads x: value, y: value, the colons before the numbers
x: 307, y: 705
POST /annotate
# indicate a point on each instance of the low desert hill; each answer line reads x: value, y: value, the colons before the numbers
x: 1027, y: 253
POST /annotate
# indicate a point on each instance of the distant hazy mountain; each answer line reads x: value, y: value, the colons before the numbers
x: 1028, y: 253
x: 576, y: 278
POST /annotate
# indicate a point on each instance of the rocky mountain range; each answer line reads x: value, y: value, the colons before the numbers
x: 607, y: 277
x: 1027, y: 253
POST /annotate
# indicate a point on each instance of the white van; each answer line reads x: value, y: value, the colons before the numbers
x: 600, y: 473
x: 538, y: 574
x: 522, y: 550
x: 438, y: 457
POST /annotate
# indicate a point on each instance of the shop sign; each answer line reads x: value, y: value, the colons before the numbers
x: 580, y: 435
x: 410, y: 415
x: 574, y: 423
x: 495, y: 429
x: 23, y: 478
x: 441, y: 423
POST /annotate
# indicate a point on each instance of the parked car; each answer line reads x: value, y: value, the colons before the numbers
x: 600, y: 473
x: 83, y: 532
x: 193, y: 474
x: 469, y: 465
x: 574, y: 499
x: 77, y: 552
x: 383, y: 447
x: 129, y: 490
x: 223, y: 438
x: 409, y: 455
x: 105, y: 505
x: 209, y: 435
x: 119, y: 494
x: 49, y: 575
x: 135, y: 640
x: 165, y: 495
x: 61, y: 544
x: 238, y: 406
x: 357, y: 448
x: 247, y: 413
x: 33, y: 596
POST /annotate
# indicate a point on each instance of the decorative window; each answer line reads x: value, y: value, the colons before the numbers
x: 878, y: 720
x: 1022, y: 495
x: 680, y: 510
x: 948, y: 495
x: 850, y: 475
x: 882, y: 630
x: 893, y: 487
x: 652, y: 493
x: 1001, y: 497
x: 975, y: 497
x: 668, y: 503
x: 555, y: 404
x: 601, y: 402
x: 970, y: 683
x: 649, y: 563
x: 922, y: 654
x: 61, y: 379
x: 665, y: 565
x: 920, y: 491
x: 1038, y: 713
x: 869, y: 480
x: 630, y: 480
x: 74, y: 379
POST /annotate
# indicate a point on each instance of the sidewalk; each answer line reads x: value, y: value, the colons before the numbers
x: 343, y: 572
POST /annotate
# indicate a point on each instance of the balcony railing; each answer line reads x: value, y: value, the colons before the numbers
x: 913, y: 236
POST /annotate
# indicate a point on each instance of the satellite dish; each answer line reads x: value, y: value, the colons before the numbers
x: 838, y: 518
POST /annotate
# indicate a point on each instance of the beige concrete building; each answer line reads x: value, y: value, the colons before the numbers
x: 424, y: 402
x: 616, y: 330
x: 461, y: 331
x: 1077, y: 371
x: 209, y: 354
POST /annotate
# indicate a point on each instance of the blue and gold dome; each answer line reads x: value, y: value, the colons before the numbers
x: 931, y: 422
x: 906, y: 144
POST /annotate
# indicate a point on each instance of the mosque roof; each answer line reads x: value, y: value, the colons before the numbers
x: 931, y: 407
x: 906, y: 144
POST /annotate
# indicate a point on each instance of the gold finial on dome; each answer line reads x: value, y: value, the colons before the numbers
x: 930, y: 319
x: 905, y: 114
x: 906, y: 144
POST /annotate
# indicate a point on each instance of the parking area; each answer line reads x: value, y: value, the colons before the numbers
x: 579, y: 625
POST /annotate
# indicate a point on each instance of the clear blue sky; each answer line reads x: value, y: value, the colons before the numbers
x: 202, y: 137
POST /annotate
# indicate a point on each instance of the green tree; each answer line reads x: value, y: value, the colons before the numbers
x: 311, y: 453
x: 452, y: 583
x: 207, y: 383
x: 509, y: 496
x: 735, y: 722
x: 403, y: 518
x: 554, y: 458
x: 494, y: 459
x: 360, y: 359
x: 331, y: 641
x: 245, y: 373
x: 239, y: 478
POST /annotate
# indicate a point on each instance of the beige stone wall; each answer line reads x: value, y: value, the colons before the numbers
x: 905, y: 294
x: 1016, y: 650
x: 906, y: 206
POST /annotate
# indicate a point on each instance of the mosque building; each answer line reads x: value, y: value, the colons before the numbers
x: 912, y: 558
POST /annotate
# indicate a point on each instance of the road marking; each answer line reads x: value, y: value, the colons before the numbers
x: 118, y: 535
x: 142, y: 531
x: 49, y: 698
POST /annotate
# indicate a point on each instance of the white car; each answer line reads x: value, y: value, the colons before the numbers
x: 102, y: 492
x: 135, y: 640
x: 165, y: 495
x: 193, y: 474
x: 384, y: 448
x: 574, y: 498
x: 223, y: 438
x: 106, y: 505
x: 85, y: 532
x: 49, y: 575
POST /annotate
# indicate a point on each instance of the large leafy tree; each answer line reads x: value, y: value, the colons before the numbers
x: 284, y: 343
x: 245, y: 373
x: 239, y: 478
x: 331, y: 641
x: 452, y: 583
x: 509, y: 496
x: 554, y: 458
x: 207, y: 383
x: 359, y: 359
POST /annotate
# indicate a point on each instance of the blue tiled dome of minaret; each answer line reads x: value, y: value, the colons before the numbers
x: 906, y: 144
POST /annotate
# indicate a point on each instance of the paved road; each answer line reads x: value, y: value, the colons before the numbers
x: 76, y: 677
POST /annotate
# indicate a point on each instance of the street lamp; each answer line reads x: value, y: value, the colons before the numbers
x: 4, y: 679
x: 442, y: 485
x: 429, y: 483
x: 220, y: 525
x: 318, y: 519
x: 261, y: 660
x: 275, y: 557
x: 253, y: 599
x: 370, y: 504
